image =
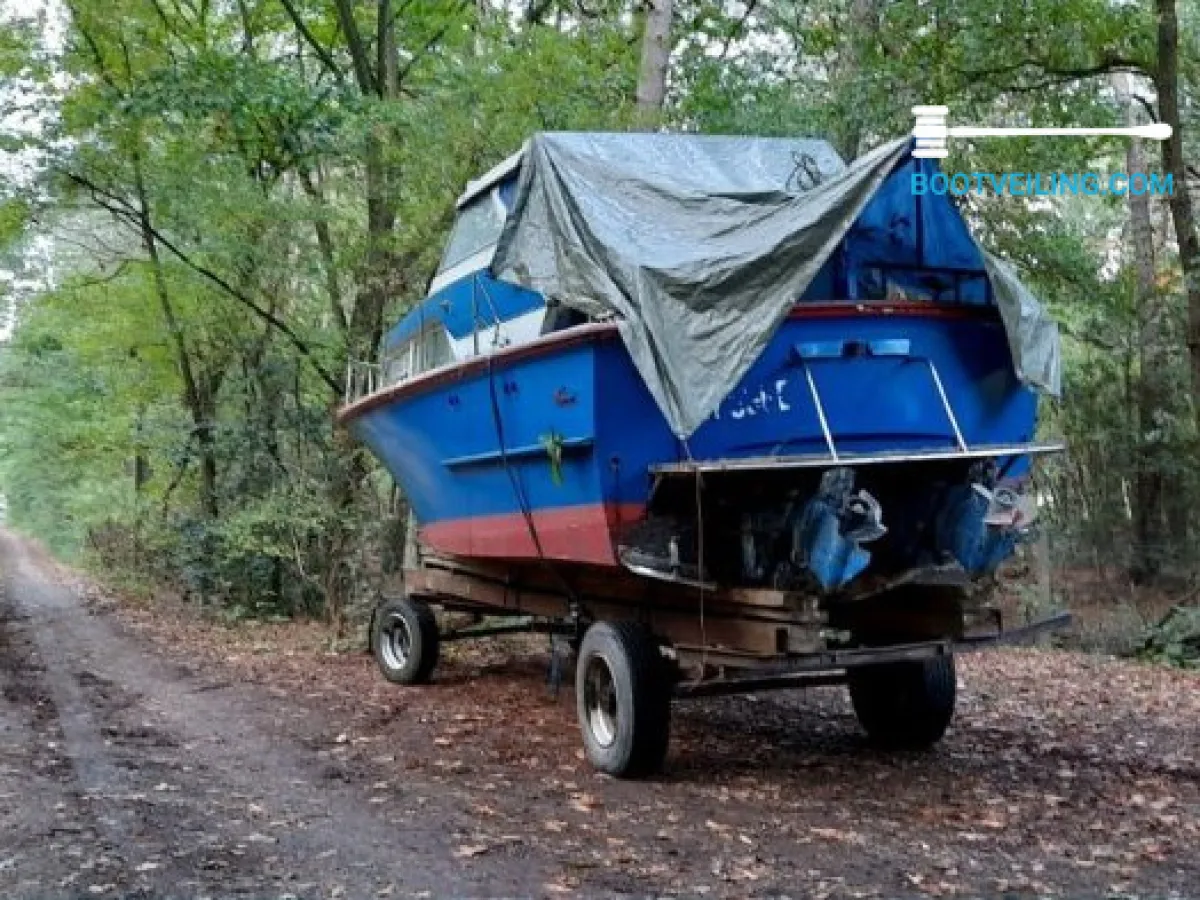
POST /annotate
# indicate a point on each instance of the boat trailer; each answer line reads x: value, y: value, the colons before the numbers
x: 641, y: 643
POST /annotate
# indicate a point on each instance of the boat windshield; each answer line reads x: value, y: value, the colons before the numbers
x: 476, y: 229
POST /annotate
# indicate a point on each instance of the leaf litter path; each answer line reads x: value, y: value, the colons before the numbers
x: 252, y: 761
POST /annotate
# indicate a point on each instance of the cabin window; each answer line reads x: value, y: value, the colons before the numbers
x: 476, y: 229
x: 433, y: 349
x: 397, y: 363
x: 425, y: 350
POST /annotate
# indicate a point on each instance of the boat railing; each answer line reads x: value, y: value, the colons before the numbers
x: 362, y: 378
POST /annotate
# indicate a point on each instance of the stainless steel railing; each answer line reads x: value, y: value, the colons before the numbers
x: 362, y: 378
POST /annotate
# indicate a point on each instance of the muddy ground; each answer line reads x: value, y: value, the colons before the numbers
x: 148, y: 752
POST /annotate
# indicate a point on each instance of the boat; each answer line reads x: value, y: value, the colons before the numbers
x: 712, y: 404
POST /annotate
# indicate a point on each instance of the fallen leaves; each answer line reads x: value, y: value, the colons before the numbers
x: 838, y: 835
x: 584, y: 803
x: 1061, y: 774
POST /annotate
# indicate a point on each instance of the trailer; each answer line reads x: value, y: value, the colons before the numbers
x: 640, y: 644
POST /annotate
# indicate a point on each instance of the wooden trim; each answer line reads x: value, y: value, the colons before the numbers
x: 757, y: 632
x: 426, y: 381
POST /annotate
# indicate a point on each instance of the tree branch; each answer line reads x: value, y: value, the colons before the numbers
x: 170, y: 27
x: 318, y: 48
x: 358, y: 49
x: 94, y: 48
x: 536, y: 10
x: 124, y: 210
x: 424, y: 51
x: 736, y: 30
x: 104, y: 279
x: 247, y: 28
x: 1059, y: 75
x: 180, y: 471
x: 386, y: 58
x: 1089, y: 339
x: 325, y: 244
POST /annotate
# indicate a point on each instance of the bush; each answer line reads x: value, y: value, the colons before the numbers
x: 1175, y: 640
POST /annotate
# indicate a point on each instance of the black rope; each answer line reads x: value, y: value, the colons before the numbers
x: 806, y: 174
x: 519, y: 491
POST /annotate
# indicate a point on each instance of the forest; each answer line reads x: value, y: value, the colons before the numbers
x: 208, y: 208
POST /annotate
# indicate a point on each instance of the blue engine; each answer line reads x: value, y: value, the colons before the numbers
x: 825, y: 537
x: 979, y: 526
x: 820, y: 542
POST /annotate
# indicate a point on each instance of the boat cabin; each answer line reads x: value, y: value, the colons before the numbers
x: 904, y: 249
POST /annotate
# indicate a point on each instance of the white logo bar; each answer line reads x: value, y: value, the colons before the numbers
x: 931, y: 131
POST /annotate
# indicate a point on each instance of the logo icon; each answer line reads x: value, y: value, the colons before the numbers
x: 932, y: 131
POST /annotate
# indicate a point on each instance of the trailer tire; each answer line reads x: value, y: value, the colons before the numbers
x: 905, y: 705
x: 405, y: 640
x: 623, y: 699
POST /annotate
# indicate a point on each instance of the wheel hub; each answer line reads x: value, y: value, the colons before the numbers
x: 396, y: 643
x: 600, y: 701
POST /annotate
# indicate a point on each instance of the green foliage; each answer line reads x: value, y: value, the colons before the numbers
x: 14, y: 217
x: 553, y: 445
x: 1176, y: 639
x: 155, y: 423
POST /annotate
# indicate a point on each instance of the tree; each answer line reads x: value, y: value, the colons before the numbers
x: 656, y: 53
x: 270, y: 183
x: 1167, y: 82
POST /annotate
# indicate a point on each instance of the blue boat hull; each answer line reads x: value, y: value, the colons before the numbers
x: 547, y: 449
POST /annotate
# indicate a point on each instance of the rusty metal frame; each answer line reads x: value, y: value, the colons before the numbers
x: 832, y: 667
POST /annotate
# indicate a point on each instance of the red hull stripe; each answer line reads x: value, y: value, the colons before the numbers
x: 583, y: 534
x: 803, y: 311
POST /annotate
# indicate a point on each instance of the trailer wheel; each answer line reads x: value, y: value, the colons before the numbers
x: 906, y: 705
x: 623, y: 698
x: 405, y: 640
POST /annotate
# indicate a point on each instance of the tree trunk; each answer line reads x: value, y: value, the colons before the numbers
x: 377, y: 75
x: 1149, y: 535
x: 197, y: 398
x: 656, y: 53
x: 1182, y: 212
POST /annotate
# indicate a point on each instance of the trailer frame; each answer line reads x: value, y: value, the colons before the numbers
x: 637, y: 638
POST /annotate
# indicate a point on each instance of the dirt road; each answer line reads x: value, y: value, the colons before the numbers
x: 123, y: 773
x: 145, y: 761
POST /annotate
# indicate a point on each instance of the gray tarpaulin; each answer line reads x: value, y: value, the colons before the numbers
x: 700, y: 245
x: 1032, y: 334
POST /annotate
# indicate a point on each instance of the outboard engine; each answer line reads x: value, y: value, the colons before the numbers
x: 980, y: 523
x: 819, y: 541
x: 827, y: 538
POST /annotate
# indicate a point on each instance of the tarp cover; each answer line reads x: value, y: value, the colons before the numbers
x: 700, y: 245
